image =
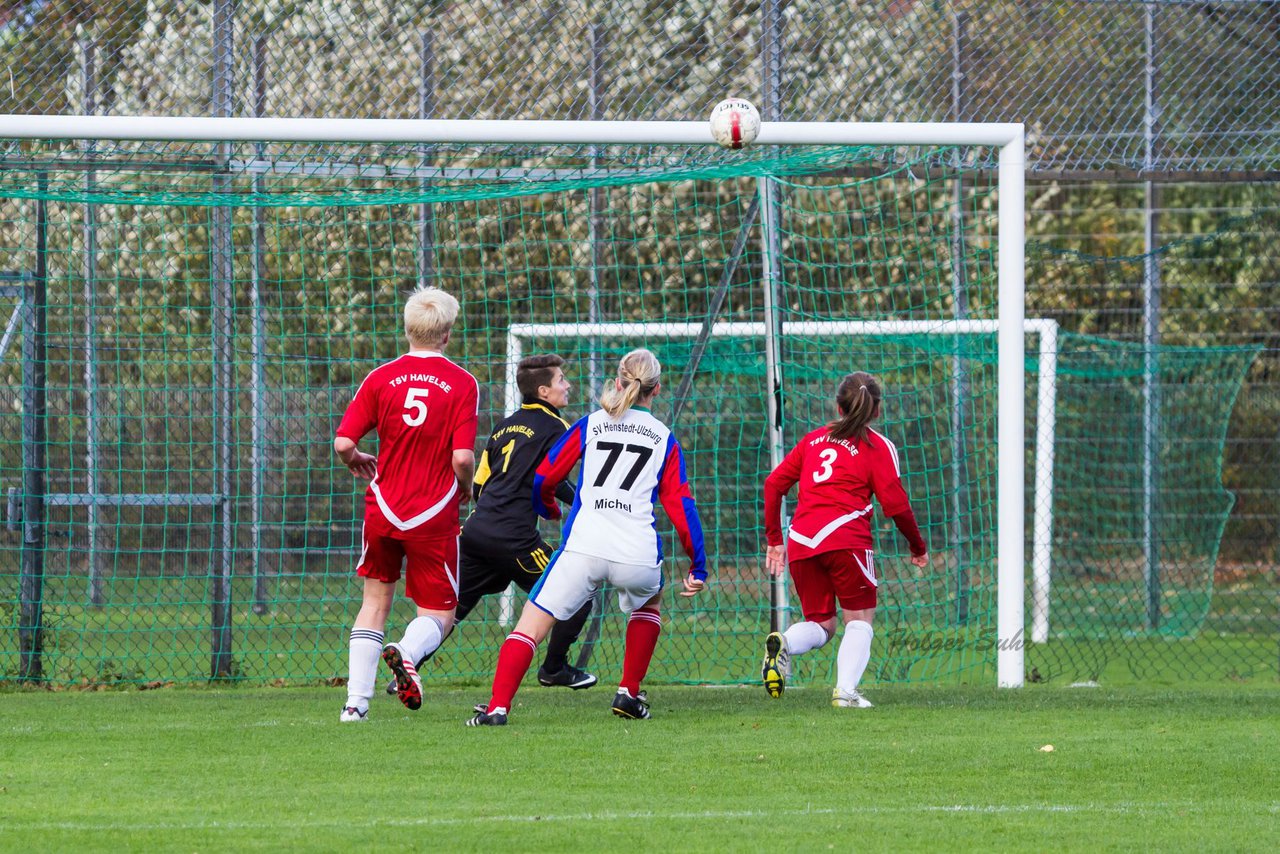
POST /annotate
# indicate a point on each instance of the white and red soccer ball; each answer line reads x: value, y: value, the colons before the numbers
x: 735, y: 123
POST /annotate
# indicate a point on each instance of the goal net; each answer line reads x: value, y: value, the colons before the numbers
x: 195, y: 315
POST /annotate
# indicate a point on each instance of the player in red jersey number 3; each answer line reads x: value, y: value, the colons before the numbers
x: 424, y: 409
x: 839, y: 468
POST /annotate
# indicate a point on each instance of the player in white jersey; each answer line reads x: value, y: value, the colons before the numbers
x: 629, y: 459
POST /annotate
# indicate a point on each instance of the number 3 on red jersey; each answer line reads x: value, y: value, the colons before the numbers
x: 825, y: 459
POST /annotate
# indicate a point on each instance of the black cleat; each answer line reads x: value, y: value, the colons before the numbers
x: 777, y: 664
x: 626, y: 706
x: 569, y: 677
x: 498, y: 717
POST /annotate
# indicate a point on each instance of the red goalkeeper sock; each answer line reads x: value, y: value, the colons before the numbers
x: 642, y: 638
x: 513, y: 663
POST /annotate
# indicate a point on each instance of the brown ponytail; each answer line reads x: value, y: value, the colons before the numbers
x: 858, y: 400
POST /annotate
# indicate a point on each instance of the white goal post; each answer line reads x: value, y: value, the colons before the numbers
x: 1008, y: 138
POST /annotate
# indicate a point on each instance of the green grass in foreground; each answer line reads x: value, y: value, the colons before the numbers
x: 727, y: 769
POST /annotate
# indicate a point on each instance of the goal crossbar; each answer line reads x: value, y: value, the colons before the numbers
x: 484, y: 131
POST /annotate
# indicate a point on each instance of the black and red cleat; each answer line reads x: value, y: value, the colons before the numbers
x: 408, y: 683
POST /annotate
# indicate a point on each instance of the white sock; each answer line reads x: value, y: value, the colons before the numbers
x: 366, y: 648
x: 855, y: 652
x: 802, y: 637
x: 421, y: 637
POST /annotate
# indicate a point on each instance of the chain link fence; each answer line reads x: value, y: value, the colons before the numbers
x: 1101, y: 84
x: 1152, y: 208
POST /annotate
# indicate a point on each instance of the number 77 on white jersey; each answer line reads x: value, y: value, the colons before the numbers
x: 627, y: 464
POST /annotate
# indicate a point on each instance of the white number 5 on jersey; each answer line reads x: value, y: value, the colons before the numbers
x: 825, y: 459
x: 415, y: 400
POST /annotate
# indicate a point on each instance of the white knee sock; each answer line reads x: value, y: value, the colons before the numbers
x: 421, y: 637
x: 802, y: 637
x: 855, y: 652
x: 366, y: 647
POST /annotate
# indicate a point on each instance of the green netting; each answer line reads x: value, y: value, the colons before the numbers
x: 1145, y: 582
x: 211, y: 309
x: 202, y: 174
x: 1146, y: 560
x: 1136, y: 527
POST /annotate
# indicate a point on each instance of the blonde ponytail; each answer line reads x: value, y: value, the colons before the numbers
x: 638, y: 373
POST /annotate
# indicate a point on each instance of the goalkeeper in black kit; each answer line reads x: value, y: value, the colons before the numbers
x: 500, y: 542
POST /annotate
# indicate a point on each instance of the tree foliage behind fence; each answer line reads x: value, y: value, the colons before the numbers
x: 1074, y: 70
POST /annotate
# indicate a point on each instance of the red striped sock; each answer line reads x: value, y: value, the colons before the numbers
x: 642, y: 638
x: 513, y: 663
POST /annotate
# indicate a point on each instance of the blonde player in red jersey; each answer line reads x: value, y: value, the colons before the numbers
x: 839, y: 467
x: 424, y: 409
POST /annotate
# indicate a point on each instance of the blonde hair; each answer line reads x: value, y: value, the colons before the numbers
x: 639, y: 372
x: 429, y: 314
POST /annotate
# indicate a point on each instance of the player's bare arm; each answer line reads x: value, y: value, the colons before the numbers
x: 775, y: 560
x: 361, y: 464
x: 464, y: 468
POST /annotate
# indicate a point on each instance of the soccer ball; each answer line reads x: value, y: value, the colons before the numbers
x: 735, y: 123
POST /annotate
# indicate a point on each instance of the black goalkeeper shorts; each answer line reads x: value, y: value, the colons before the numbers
x: 483, y: 574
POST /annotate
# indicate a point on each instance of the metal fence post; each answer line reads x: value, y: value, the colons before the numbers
x: 771, y: 252
x: 89, y: 51
x: 257, y: 384
x: 31, y: 582
x: 960, y: 310
x: 426, y: 107
x: 595, y: 235
x: 595, y: 199
x: 1151, y: 329
x: 222, y: 317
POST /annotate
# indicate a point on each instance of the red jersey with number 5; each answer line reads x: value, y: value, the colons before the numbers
x: 838, y: 479
x: 424, y: 407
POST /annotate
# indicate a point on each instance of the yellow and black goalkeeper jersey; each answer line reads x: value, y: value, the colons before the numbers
x: 503, y: 520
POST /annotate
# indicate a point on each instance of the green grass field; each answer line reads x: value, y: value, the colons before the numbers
x: 158, y: 629
x: 716, y: 769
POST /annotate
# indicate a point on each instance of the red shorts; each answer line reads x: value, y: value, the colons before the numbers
x: 430, y: 564
x: 823, y: 579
